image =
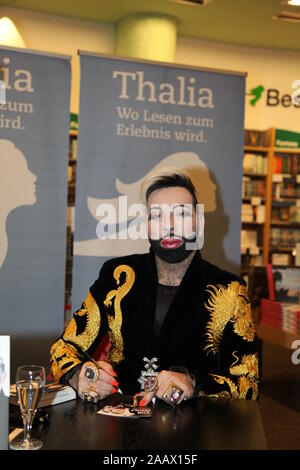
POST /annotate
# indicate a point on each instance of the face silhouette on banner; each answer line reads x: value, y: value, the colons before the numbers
x: 17, y: 188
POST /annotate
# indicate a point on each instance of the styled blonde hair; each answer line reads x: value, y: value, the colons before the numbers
x: 164, y: 178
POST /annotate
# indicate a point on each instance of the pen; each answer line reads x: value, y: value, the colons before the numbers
x: 88, y: 357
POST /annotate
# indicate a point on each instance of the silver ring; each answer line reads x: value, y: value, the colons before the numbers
x: 151, y: 384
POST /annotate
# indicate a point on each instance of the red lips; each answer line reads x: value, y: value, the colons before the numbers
x: 171, y: 243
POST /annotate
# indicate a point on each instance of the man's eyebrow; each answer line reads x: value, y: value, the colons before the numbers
x: 186, y: 205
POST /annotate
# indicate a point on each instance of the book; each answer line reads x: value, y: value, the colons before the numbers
x: 290, y: 318
x: 53, y: 394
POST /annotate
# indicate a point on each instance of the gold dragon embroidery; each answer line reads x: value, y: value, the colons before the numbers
x: 62, y: 358
x: 228, y: 304
x: 92, y: 313
x: 115, y: 322
x: 63, y: 355
x: 247, y: 371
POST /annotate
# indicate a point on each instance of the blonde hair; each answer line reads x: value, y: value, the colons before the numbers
x: 166, y: 177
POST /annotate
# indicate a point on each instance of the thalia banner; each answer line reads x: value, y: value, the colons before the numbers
x: 34, y: 133
x: 136, y: 117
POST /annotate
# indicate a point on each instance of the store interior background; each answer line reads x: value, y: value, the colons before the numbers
x: 224, y: 34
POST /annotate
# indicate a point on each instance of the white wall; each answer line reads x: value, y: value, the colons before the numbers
x: 268, y: 67
x: 272, y: 68
x: 64, y: 36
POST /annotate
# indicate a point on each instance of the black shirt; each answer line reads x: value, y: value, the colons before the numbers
x: 165, y: 295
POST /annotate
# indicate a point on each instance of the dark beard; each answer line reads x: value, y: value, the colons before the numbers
x: 169, y: 255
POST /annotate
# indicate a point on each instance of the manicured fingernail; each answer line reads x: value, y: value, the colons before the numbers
x: 113, y: 373
x: 115, y: 390
x: 143, y: 402
x: 114, y: 382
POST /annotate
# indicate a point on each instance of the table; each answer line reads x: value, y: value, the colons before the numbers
x: 202, y: 424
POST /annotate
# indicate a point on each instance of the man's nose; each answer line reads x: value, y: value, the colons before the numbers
x: 171, y: 222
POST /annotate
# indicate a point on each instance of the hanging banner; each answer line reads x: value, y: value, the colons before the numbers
x: 136, y: 117
x: 34, y: 126
x: 4, y: 390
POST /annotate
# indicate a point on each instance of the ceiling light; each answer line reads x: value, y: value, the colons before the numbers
x: 293, y: 3
x: 9, y: 34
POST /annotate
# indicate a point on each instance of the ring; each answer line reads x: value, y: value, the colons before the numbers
x: 90, y: 394
x: 91, y: 372
x: 151, y: 384
x: 172, y: 394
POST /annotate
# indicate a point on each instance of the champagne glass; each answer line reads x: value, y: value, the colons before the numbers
x: 30, y: 381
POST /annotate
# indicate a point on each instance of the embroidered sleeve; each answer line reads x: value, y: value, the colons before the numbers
x: 100, y: 314
x: 231, y: 339
x: 82, y: 331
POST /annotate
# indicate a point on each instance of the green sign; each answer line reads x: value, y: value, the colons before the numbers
x: 287, y: 139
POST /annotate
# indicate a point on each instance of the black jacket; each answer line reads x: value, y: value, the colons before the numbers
x: 208, y: 328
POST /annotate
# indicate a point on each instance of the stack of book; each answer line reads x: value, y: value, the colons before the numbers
x: 291, y: 318
x: 271, y: 312
x: 247, y: 213
x: 287, y: 164
x: 53, y: 394
x: 254, y: 164
x: 256, y: 138
x: 252, y: 188
x: 284, y: 238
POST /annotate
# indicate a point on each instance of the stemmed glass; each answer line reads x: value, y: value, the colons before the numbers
x: 30, y: 381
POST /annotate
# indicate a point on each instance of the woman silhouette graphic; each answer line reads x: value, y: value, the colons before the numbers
x: 17, y: 187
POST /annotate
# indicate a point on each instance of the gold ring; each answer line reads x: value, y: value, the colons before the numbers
x: 90, y: 394
x: 172, y: 394
x: 91, y: 372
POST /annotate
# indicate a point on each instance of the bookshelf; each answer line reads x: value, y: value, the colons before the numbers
x: 270, y: 199
x: 276, y: 238
x: 256, y: 188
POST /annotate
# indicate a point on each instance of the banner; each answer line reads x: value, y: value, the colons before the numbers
x: 137, y: 116
x: 34, y: 140
x: 4, y: 390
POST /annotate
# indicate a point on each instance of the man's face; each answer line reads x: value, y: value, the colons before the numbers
x: 171, y: 216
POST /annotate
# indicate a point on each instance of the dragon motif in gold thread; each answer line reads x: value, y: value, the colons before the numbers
x: 62, y: 354
x: 115, y: 321
x: 91, y: 313
x: 228, y: 304
x: 247, y: 373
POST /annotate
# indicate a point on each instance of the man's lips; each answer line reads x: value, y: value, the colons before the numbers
x: 171, y: 243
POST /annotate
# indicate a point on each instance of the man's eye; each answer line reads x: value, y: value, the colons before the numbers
x: 154, y: 217
x: 183, y: 214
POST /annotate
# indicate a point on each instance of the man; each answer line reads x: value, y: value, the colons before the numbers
x: 178, y: 325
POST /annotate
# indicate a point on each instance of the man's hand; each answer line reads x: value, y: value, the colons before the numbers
x: 105, y: 385
x: 165, y: 377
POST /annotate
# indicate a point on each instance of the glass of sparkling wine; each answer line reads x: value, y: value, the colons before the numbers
x: 30, y: 381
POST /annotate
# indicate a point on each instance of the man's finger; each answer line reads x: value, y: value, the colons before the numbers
x: 107, y: 378
x: 104, y: 389
x: 107, y: 367
x: 147, y: 398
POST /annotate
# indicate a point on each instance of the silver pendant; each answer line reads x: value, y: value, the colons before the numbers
x: 150, y: 370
